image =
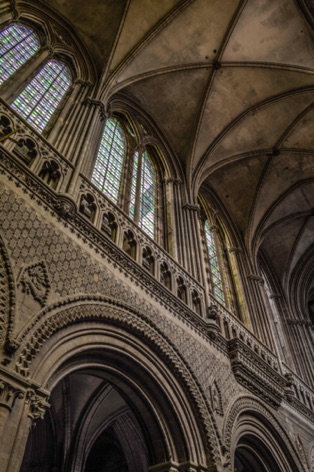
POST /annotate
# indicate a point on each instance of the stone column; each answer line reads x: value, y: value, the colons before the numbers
x: 169, y: 220
x: 179, y: 248
x: 70, y: 124
x: 8, y: 11
x: 260, y: 319
x: 20, y: 408
x: 235, y: 254
x: 84, y: 142
x: 191, y: 240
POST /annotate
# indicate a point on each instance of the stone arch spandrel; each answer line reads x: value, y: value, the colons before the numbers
x: 259, y: 415
x: 54, y: 326
x: 7, y: 301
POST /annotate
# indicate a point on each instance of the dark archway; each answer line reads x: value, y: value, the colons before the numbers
x: 252, y: 455
x: 107, y: 454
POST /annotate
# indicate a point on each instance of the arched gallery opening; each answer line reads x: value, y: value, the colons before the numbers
x: 115, y: 406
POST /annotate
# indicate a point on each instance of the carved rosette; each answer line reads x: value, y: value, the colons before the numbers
x: 7, y: 300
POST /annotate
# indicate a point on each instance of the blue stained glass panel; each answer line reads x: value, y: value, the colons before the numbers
x: 40, y: 99
x: 17, y: 44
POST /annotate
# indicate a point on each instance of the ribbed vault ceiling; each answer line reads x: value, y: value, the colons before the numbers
x: 231, y: 86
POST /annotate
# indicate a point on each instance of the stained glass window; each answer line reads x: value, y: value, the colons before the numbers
x: 139, y: 194
x: 216, y: 277
x: 109, y: 163
x: 146, y: 193
x: 41, y: 97
x: 17, y: 44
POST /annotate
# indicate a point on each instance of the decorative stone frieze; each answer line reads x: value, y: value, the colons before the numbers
x: 7, y: 300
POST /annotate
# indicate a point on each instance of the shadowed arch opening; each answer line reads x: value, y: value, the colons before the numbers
x: 256, y: 440
x: 148, y: 401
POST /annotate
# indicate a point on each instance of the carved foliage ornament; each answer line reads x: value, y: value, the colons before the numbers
x: 7, y: 299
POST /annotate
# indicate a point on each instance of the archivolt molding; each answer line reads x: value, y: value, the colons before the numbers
x: 247, y: 404
x: 7, y: 300
x: 96, y: 309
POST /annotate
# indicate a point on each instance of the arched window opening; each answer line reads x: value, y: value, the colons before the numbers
x: 148, y: 260
x: 17, y: 44
x: 215, y: 270
x: 181, y: 290
x: 50, y: 173
x: 26, y: 149
x: 109, y: 225
x: 129, y: 244
x: 196, y: 302
x: 42, y: 96
x: 165, y: 275
x: 108, y: 168
x: 143, y: 193
x: 128, y: 178
x: 88, y: 206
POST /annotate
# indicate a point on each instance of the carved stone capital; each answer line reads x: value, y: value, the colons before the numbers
x: 9, y: 394
x: 256, y: 278
x: 37, y: 406
x: 83, y: 83
x: 104, y: 110
x: 173, y: 181
x: 235, y: 250
x: 190, y: 207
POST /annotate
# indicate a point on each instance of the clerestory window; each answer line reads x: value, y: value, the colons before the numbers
x: 214, y: 263
x: 18, y: 43
x: 127, y: 178
x: 41, y: 97
x: 143, y: 193
x: 109, y: 162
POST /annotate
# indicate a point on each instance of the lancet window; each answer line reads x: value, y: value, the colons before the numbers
x: 48, y: 83
x: 40, y: 99
x: 128, y: 177
x: 215, y: 266
x: 18, y: 43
